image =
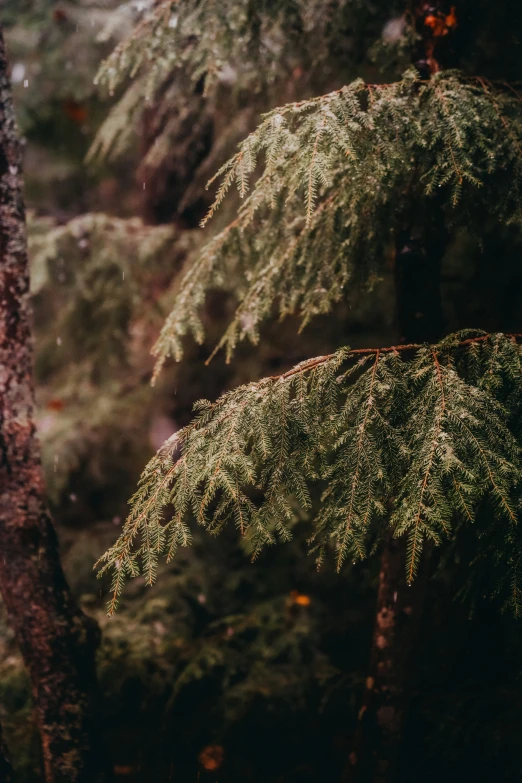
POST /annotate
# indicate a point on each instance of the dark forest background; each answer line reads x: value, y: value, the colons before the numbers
x: 225, y: 670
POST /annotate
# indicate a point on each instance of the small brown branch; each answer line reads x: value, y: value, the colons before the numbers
x: 369, y: 86
x: 305, y: 366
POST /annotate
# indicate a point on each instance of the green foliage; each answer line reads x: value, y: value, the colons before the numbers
x: 99, y: 268
x: 229, y: 41
x: 90, y: 280
x: 93, y: 283
x: 179, y: 50
x: 419, y: 440
x: 232, y: 643
x: 55, y: 50
x: 432, y: 436
x: 341, y: 174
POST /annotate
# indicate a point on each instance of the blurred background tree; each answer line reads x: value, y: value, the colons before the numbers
x: 225, y: 670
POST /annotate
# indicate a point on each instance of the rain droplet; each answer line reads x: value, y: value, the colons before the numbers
x: 18, y: 73
x: 394, y: 29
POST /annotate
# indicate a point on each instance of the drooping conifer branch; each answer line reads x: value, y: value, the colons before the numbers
x: 323, y: 215
x: 412, y: 426
x: 431, y: 433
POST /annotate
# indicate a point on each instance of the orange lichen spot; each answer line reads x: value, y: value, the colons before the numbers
x: 300, y: 598
x: 75, y: 111
x: 451, y: 19
x: 431, y: 21
x: 440, y: 24
x: 55, y: 404
x: 211, y: 757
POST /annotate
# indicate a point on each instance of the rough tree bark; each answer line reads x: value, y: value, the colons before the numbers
x: 57, y: 641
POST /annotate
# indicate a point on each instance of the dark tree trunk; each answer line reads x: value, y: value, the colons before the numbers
x: 418, y: 259
x: 399, y: 610
x: 388, y: 684
x: 57, y: 641
x: 419, y: 249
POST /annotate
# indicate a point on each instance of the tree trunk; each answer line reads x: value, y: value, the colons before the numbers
x: 56, y: 640
x: 399, y: 611
x: 388, y: 685
x: 418, y: 261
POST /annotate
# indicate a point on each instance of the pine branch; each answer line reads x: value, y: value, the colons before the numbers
x: 413, y: 427
x: 343, y: 156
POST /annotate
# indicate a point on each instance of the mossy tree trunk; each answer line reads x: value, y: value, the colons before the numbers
x: 399, y: 612
x: 57, y: 641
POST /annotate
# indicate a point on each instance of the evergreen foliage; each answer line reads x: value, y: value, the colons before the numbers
x: 96, y: 275
x: 55, y: 50
x: 223, y: 50
x: 246, y: 41
x: 417, y: 440
x: 96, y: 271
x: 341, y: 172
x: 434, y: 436
x: 103, y: 267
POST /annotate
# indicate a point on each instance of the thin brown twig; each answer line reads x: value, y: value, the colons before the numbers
x: 387, y: 85
x: 305, y: 366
